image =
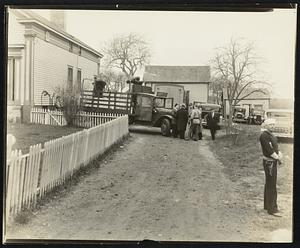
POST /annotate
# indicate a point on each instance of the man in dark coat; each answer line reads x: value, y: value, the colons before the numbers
x: 271, y: 156
x: 174, y: 121
x: 212, y: 123
x: 182, y: 119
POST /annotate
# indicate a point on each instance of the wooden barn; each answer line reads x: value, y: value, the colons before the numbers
x: 189, y: 83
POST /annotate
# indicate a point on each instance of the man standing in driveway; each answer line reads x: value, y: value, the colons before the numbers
x: 182, y: 119
x: 196, y: 123
x: 271, y: 156
x: 212, y: 123
x: 174, y: 122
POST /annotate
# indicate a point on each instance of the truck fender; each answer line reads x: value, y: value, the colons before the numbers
x: 159, y: 121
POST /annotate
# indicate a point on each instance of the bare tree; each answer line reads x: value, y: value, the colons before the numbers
x: 235, y: 66
x: 216, y: 90
x: 127, y: 53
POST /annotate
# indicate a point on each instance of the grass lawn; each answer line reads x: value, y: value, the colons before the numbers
x: 31, y: 134
x: 245, y: 157
x: 242, y: 163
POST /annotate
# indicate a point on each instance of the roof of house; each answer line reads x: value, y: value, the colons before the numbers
x: 177, y: 74
x: 32, y: 16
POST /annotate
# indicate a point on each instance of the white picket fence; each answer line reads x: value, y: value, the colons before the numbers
x: 83, y: 119
x: 47, y: 117
x: 31, y: 176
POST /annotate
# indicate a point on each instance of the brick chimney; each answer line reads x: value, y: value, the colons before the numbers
x: 58, y: 18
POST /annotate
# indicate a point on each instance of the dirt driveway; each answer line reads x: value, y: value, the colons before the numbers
x: 155, y: 188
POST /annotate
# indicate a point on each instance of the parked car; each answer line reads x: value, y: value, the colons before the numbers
x: 256, y: 116
x: 239, y: 115
x: 207, y: 108
x: 284, y: 122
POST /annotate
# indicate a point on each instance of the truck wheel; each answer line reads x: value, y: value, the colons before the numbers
x: 166, y: 127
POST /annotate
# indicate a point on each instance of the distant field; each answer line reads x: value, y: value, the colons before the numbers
x: 31, y: 134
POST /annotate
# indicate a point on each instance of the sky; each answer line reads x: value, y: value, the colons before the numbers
x: 191, y: 38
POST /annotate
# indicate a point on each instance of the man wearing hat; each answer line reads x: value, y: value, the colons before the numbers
x: 196, y: 125
x: 182, y: 119
x: 271, y: 156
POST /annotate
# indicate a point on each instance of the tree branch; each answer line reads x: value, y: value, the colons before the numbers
x: 257, y: 90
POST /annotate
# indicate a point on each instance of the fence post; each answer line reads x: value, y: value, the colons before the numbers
x: 86, y: 131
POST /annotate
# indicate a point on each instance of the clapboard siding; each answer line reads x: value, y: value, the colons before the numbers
x: 15, y: 30
x: 51, y: 68
x: 198, y: 92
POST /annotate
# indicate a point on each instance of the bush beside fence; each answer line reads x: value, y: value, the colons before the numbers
x: 31, y: 176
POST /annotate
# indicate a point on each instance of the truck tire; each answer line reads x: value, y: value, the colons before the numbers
x: 166, y: 127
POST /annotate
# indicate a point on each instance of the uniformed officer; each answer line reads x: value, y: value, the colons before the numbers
x: 271, y: 157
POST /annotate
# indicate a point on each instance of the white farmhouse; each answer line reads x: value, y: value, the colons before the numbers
x: 42, y: 56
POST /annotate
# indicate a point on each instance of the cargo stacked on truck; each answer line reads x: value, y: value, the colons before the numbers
x: 140, y: 103
x: 99, y: 100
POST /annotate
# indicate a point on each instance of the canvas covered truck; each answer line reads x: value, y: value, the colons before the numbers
x: 141, y: 104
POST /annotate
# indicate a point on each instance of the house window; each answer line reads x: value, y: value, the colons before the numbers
x: 70, y: 77
x: 11, y: 79
x: 78, y: 79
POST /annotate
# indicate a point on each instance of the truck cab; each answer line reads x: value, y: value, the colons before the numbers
x: 149, y: 109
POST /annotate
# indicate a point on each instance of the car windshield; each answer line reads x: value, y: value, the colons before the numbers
x: 240, y: 110
x: 163, y: 103
x: 159, y: 102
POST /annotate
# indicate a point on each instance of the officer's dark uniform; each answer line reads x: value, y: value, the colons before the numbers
x: 269, y: 145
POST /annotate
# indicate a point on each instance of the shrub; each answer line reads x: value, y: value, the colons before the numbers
x: 69, y: 101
